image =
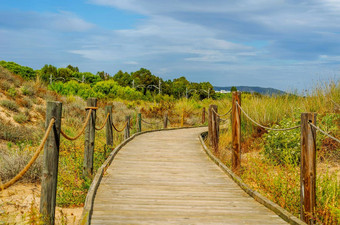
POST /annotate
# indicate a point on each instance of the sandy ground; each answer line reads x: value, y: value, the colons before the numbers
x: 20, y: 203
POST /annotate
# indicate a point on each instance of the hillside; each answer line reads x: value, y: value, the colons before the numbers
x: 261, y: 90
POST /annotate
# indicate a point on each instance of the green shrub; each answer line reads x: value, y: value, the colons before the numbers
x: 27, y: 90
x: 101, y: 90
x: 12, y: 92
x: 20, y: 118
x: 283, y: 146
x: 5, y: 85
x: 24, y: 71
x: 17, y: 134
x: 13, y: 160
x: 10, y: 105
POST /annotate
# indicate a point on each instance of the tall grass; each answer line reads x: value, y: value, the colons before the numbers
x: 280, y: 182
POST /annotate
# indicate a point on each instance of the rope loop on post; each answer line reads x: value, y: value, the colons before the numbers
x: 221, y: 115
x: 81, y: 131
x: 119, y: 130
x: 150, y: 123
x: 102, y: 126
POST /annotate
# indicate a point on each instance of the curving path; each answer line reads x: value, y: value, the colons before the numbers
x: 166, y: 178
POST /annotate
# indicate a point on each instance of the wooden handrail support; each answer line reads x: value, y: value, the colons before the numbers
x: 308, y: 168
x: 50, y: 164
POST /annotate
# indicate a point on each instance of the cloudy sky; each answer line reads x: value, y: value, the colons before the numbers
x: 270, y: 43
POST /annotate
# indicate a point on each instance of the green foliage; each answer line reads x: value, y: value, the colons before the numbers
x: 65, y: 73
x: 123, y: 79
x: 12, y: 92
x: 73, y: 88
x: 102, y: 89
x: 74, y: 69
x: 27, y: 90
x: 283, y: 146
x: 20, y: 118
x: 233, y: 88
x: 24, y: 71
x: 48, y: 70
x: 10, y: 105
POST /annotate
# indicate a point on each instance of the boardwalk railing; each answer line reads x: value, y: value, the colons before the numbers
x: 51, y: 145
x: 308, y: 149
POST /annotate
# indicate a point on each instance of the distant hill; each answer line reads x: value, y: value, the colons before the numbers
x: 261, y: 90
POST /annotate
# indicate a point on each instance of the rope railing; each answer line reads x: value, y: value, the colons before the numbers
x: 221, y: 115
x: 102, y: 126
x: 264, y: 127
x: 324, y: 132
x: 119, y: 130
x: 35, y: 156
x: 151, y: 123
x: 82, y: 129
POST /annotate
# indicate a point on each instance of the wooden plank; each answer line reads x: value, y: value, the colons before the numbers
x: 166, y: 178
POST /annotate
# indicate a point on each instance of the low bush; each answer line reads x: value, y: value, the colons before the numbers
x: 24, y: 71
x: 5, y: 85
x: 16, y: 134
x: 27, y: 90
x: 12, y: 92
x: 11, y: 105
x: 283, y: 146
x: 20, y: 118
x: 12, y: 161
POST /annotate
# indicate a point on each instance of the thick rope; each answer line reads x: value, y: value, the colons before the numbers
x: 151, y: 123
x: 107, y: 117
x: 221, y: 115
x: 81, y: 131
x: 119, y: 130
x: 91, y: 107
x: 267, y: 128
x: 325, y: 133
x: 35, y: 156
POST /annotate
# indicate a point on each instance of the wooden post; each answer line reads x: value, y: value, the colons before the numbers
x: 308, y: 168
x: 89, y: 139
x: 50, y: 164
x: 109, y: 131
x: 236, y: 131
x: 165, y: 120
x: 213, y: 128
x: 182, y: 118
x: 203, y: 115
x: 127, y: 128
x: 139, y: 122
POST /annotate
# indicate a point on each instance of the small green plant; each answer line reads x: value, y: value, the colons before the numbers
x: 20, y: 118
x: 11, y: 105
x: 27, y: 90
x: 12, y: 92
x: 283, y: 146
x: 5, y: 85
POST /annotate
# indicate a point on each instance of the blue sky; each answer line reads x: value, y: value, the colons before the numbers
x: 281, y: 44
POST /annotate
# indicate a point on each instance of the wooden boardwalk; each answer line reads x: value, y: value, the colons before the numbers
x: 166, y: 178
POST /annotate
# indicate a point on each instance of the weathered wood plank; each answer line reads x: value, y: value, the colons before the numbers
x: 166, y: 178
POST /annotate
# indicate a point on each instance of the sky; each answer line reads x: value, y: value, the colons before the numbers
x: 284, y: 44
